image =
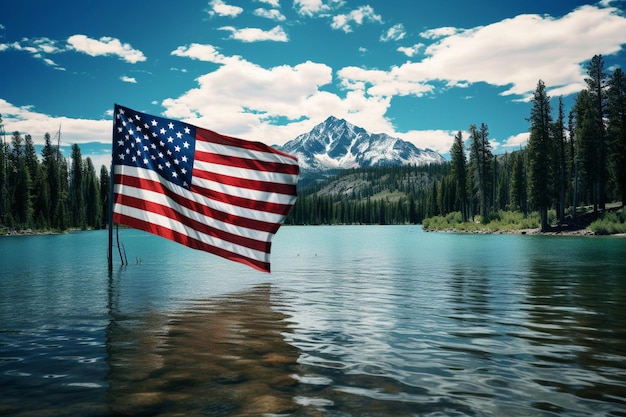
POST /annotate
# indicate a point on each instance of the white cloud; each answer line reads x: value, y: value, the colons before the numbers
x: 273, y: 14
x: 128, y: 79
x: 519, y: 51
x: 513, y: 53
x: 517, y: 141
x: 80, y: 131
x: 394, y: 33
x: 241, y: 99
x: 273, y: 3
x: 105, y: 46
x: 359, y: 16
x: 38, y: 48
x: 208, y: 53
x: 218, y: 7
x: 396, y: 82
x: 437, y: 140
x: 410, y: 51
x: 311, y: 7
x: 440, y: 32
x: 277, y: 34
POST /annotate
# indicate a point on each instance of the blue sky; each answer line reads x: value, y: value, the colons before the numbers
x: 269, y: 70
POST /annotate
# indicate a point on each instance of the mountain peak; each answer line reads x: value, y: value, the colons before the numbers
x: 337, y: 144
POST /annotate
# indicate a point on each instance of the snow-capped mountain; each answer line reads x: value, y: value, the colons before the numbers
x: 336, y: 143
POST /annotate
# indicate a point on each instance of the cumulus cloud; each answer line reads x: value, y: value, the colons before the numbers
x: 517, y: 141
x: 277, y: 34
x: 219, y: 8
x: 513, y: 53
x: 312, y: 7
x: 242, y: 98
x: 440, y: 32
x: 394, y: 33
x: 357, y: 17
x: 272, y: 3
x: 128, y: 79
x: 273, y: 14
x: 39, y: 48
x: 200, y: 52
x: 410, y: 51
x: 105, y: 46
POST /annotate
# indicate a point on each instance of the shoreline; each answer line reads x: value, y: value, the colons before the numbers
x: 526, y: 232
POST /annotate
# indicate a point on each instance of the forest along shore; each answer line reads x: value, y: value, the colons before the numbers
x: 582, y: 225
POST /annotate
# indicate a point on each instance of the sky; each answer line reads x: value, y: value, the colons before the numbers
x: 269, y: 70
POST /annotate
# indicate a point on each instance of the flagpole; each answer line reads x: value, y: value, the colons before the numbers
x: 111, y: 187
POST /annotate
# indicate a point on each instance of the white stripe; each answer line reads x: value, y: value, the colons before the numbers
x: 251, y: 174
x: 243, y: 152
x: 149, y: 174
x: 158, y: 198
x: 176, y: 226
x: 245, y: 192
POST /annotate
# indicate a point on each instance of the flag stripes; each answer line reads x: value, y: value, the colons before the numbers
x: 239, y: 192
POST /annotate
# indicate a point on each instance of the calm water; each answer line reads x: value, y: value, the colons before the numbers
x: 353, y: 321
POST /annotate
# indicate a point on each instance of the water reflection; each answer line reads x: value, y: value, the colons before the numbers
x: 576, y: 329
x: 224, y: 356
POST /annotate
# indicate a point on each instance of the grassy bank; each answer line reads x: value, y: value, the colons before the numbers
x: 607, y: 223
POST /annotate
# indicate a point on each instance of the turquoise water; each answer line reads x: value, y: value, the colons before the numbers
x: 353, y: 321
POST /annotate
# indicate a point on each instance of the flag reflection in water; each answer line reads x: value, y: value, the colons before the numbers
x: 223, y: 356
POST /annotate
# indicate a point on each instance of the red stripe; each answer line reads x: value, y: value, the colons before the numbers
x: 206, y: 211
x: 213, y: 137
x: 274, y: 208
x: 247, y: 163
x: 188, y: 241
x: 169, y: 212
x: 270, y: 187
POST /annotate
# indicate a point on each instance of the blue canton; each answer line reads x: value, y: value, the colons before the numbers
x: 162, y: 145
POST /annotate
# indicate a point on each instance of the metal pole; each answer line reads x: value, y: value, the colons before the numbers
x: 111, y: 187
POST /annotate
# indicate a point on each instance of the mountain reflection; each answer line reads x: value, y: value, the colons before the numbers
x: 224, y: 356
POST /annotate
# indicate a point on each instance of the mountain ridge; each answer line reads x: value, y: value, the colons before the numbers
x: 338, y: 144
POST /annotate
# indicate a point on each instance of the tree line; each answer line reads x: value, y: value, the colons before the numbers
x: 568, y: 162
x: 563, y: 166
x: 375, y: 195
x: 53, y: 193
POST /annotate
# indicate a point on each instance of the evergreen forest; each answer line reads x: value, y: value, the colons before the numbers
x: 571, y: 160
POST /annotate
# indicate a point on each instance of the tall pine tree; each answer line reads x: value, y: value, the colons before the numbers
x: 540, y: 150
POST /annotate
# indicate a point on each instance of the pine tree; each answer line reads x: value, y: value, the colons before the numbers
x: 540, y: 172
x: 105, y: 191
x: 481, y: 167
x: 459, y: 174
x: 617, y: 130
x: 560, y: 161
x: 93, y: 207
x: 76, y: 194
x: 597, y: 84
x: 587, y: 150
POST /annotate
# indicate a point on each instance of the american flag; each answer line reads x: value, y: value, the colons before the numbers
x: 207, y: 191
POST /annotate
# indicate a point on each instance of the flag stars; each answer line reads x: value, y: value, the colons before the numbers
x: 151, y: 143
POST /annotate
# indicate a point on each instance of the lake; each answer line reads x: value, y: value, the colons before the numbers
x: 352, y: 321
